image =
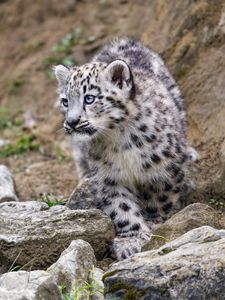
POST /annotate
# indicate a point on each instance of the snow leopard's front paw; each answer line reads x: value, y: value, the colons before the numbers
x: 124, y: 247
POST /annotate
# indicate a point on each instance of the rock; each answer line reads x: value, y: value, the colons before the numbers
x: 105, y: 263
x: 82, y: 197
x: 22, y: 207
x: 73, y: 267
x: 7, y: 189
x: 33, y: 285
x: 30, y: 120
x: 34, y: 236
x: 96, y: 279
x: 190, y: 267
x: 192, y: 216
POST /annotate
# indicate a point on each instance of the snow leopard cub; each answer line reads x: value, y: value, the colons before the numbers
x: 127, y: 123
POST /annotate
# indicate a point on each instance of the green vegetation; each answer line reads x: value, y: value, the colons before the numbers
x: 60, y: 155
x: 218, y: 203
x: 161, y: 237
x: 15, y: 84
x: 7, y: 120
x: 16, y: 268
x: 32, y: 46
x: 85, y: 292
x: 62, y: 51
x: 67, y: 42
x: 25, y: 144
x: 53, y: 200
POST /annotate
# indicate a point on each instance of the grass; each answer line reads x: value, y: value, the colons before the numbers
x: 16, y: 268
x: 62, y: 51
x: 161, y: 237
x: 68, y: 41
x: 15, y: 84
x: 32, y: 46
x: 78, y: 293
x: 7, y: 120
x: 218, y: 203
x: 53, y: 200
x: 83, y: 292
x: 60, y: 155
x: 25, y: 144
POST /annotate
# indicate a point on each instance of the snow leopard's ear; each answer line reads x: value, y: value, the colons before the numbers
x: 119, y: 73
x: 62, y: 73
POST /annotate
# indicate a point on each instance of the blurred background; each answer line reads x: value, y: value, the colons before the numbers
x: 35, y: 35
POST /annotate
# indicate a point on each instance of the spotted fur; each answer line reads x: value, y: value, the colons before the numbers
x: 130, y: 142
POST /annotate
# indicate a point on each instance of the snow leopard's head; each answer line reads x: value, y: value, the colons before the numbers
x: 95, y: 98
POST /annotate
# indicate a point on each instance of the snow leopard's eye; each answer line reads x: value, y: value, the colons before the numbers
x: 65, y: 102
x: 89, y: 99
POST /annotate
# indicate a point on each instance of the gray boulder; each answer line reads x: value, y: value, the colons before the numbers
x: 75, y: 271
x: 192, y: 216
x: 190, y: 267
x: 14, y: 208
x: 7, y: 188
x: 34, y: 236
x: 33, y: 285
x: 72, y: 268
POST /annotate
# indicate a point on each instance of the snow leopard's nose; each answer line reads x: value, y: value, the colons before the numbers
x: 72, y: 122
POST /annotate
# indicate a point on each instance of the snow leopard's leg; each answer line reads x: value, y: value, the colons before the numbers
x: 131, y: 229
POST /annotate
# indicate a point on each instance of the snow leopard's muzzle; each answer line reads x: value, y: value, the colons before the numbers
x: 80, y: 127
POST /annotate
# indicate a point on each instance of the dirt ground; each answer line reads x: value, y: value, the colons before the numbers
x: 38, y: 34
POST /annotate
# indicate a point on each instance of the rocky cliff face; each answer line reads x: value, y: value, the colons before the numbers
x: 191, y: 37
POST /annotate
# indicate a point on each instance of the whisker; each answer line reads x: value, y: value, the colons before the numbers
x: 58, y: 126
x: 60, y: 129
x: 82, y: 126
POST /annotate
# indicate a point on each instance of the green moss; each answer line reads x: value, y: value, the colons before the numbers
x: 130, y: 293
x: 108, y: 274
